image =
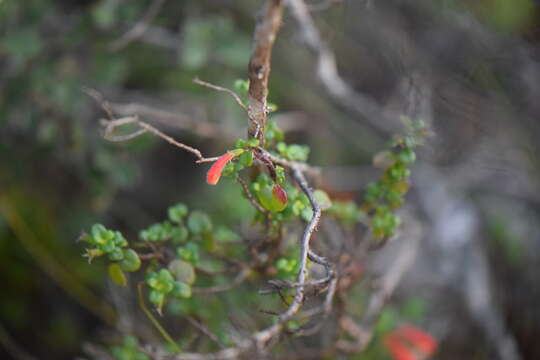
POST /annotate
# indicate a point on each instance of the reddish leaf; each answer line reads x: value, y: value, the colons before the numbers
x: 419, y: 339
x: 279, y: 194
x: 213, y: 175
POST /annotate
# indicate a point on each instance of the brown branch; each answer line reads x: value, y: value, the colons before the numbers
x: 259, y: 66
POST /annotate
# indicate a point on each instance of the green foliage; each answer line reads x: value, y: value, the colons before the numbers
x: 347, y: 212
x: 113, y: 244
x: 182, y: 271
x: 189, y: 253
x: 273, y: 133
x: 387, y: 194
x: 161, y: 284
x: 208, y: 40
x: 174, y: 230
x: 287, y: 268
x: 117, y: 275
x: 129, y: 350
x: 177, y: 213
x: 293, y: 152
x: 199, y: 223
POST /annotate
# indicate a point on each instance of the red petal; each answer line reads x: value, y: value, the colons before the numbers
x: 279, y: 194
x: 213, y: 175
x: 397, y: 348
x: 419, y: 339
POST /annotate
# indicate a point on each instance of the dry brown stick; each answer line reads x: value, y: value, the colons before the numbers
x: 259, y: 66
x: 171, y: 119
x: 112, y: 123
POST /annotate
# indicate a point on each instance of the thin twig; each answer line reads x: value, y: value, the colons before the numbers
x: 112, y: 123
x: 205, y: 330
x: 140, y: 27
x: 220, y: 88
x: 242, y: 275
x: 153, y: 319
x: 249, y: 195
x: 340, y: 91
x: 172, y: 119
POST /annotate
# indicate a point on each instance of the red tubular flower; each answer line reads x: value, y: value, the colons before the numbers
x: 213, y: 175
x: 419, y: 339
x: 410, y: 343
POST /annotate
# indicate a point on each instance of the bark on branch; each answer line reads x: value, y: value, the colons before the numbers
x: 259, y: 66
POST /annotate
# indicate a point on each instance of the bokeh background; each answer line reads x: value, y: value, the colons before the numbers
x: 469, y: 68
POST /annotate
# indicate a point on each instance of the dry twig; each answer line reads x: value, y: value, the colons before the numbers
x: 223, y: 89
x: 340, y: 91
x: 140, y: 27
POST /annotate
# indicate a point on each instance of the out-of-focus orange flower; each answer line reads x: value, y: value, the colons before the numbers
x: 213, y: 175
x: 410, y: 343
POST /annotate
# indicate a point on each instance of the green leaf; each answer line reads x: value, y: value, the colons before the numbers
x: 253, y: 142
x: 198, y: 223
x: 407, y: 156
x: 117, y: 275
x: 225, y: 235
x: 176, y: 213
x: 387, y: 321
x: 99, y: 233
x: 297, y: 152
x: 307, y: 214
x: 180, y: 235
x: 116, y: 255
x: 269, y: 199
x: 241, y: 86
x: 181, y: 289
x: 322, y: 199
x: 246, y: 159
x: 131, y: 261
x: 157, y: 298
x: 182, y: 271
x: 189, y: 253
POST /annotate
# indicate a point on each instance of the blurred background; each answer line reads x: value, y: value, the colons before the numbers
x: 469, y: 68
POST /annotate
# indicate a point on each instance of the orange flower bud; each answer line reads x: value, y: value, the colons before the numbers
x: 213, y: 175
